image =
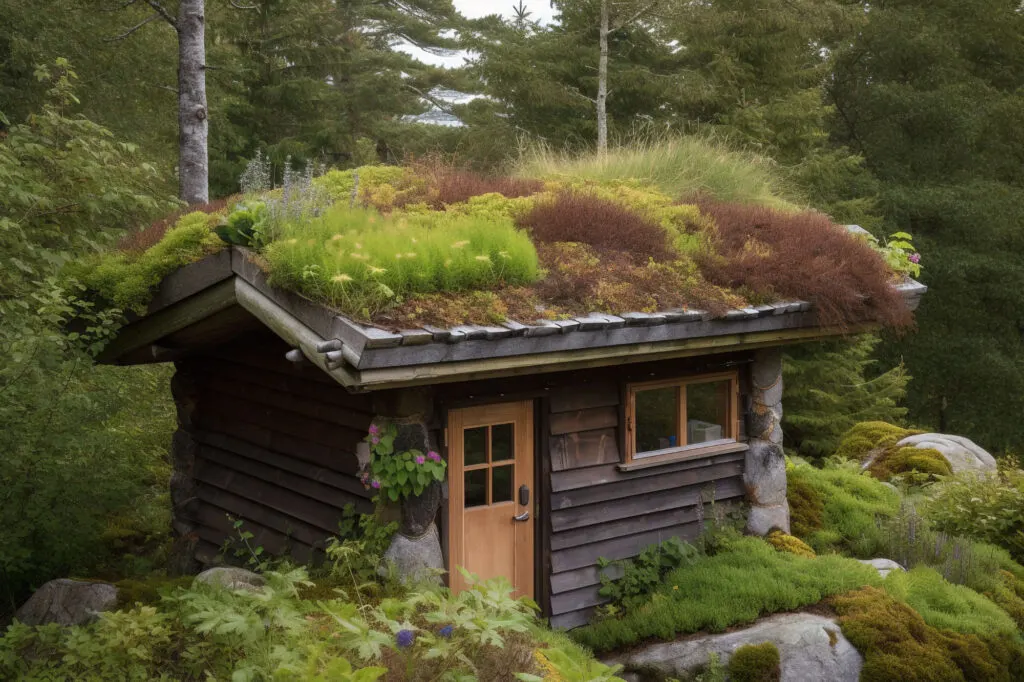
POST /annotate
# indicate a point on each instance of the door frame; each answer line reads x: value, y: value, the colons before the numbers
x: 527, y: 436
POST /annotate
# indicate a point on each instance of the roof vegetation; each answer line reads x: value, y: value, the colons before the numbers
x: 681, y: 224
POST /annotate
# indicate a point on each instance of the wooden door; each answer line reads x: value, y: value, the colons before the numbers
x: 490, y: 474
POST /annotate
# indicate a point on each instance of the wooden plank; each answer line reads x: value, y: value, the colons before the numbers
x: 584, y: 395
x: 584, y: 420
x: 568, y: 621
x: 272, y: 542
x: 619, y: 548
x: 635, y: 488
x: 584, y: 478
x: 313, y: 472
x: 269, y: 495
x: 285, y: 377
x: 313, y: 490
x: 682, y: 456
x: 623, y: 527
x: 191, y: 279
x: 576, y: 599
x: 240, y: 507
x: 582, y: 577
x: 589, y: 448
x: 593, y: 514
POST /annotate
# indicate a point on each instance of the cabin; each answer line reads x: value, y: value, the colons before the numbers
x: 567, y: 440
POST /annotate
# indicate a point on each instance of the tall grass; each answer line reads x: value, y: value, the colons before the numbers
x: 682, y: 167
x: 359, y: 261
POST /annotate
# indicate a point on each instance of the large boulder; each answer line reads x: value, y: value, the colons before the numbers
x: 963, y: 454
x: 811, y: 647
x: 883, y: 566
x: 232, y: 578
x: 68, y: 602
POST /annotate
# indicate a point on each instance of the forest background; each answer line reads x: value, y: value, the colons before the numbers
x: 899, y: 115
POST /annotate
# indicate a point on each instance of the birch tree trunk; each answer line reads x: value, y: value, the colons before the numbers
x: 602, y: 84
x: 193, y: 126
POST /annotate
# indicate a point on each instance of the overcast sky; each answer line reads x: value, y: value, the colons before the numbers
x: 540, y: 10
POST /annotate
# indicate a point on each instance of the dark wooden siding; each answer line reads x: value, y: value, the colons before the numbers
x: 275, y: 447
x: 596, y: 511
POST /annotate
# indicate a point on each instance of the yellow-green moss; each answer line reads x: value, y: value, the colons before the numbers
x: 755, y: 663
x: 805, y: 506
x: 785, y: 542
x: 867, y: 436
x: 927, y: 462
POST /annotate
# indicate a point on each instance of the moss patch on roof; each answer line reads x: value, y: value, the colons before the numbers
x: 430, y: 244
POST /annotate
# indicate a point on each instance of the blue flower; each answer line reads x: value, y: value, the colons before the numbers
x: 446, y: 631
x: 405, y: 638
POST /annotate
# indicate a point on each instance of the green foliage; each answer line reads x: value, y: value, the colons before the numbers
x: 864, y: 437
x: 360, y: 262
x: 400, y: 475
x: 899, y: 253
x: 755, y: 663
x: 852, y: 507
x: 358, y: 550
x: 643, y: 573
x: 832, y: 386
x: 897, y: 644
x: 785, y: 542
x: 910, y: 463
x: 989, y: 508
x: 746, y: 578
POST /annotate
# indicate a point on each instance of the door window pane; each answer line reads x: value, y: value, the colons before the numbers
x: 474, y: 443
x: 476, y: 487
x: 501, y: 484
x: 707, y: 411
x: 502, y: 447
x: 657, y: 411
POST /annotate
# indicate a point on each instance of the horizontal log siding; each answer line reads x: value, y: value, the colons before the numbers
x: 276, y: 448
x: 596, y: 511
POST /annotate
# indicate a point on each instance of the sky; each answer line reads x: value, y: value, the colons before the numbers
x: 540, y: 11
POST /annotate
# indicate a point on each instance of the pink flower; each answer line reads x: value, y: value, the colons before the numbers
x: 434, y: 456
x: 375, y: 484
x: 375, y: 440
x: 374, y: 429
x: 915, y: 258
x: 420, y: 459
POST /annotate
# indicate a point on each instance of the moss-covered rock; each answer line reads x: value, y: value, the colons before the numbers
x: 867, y: 436
x: 926, y: 463
x: 784, y: 542
x: 755, y: 663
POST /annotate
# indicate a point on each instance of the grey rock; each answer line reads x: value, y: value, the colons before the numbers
x: 764, y: 474
x: 811, y: 647
x: 67, y: 602
x: 883, y: 566
x: 761, y: 519
x: 232, y: 578
x: 417, y: 559
x: 963, y: 454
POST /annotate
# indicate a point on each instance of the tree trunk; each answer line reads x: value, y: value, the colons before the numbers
x: 602, y: 84
x: 193, y: 127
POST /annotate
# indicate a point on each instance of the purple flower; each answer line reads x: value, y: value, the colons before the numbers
x: 420, y: 459
x: 374, y: 429
x: 375, y: 440
x: 446, y: 631
x: 434, y: 456
x: 405, y: 638
x: 915, y: 258
x: 375, y: 484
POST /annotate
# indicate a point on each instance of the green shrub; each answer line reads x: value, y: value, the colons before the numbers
x: 360, y: 261
x: 784, y: 542
x: 899, y: 646
x: 643, y: 573
x: 755, y: 663
x: 868, y: 436
x: 916, y: 465
x: 852, y: 507
x: 743, y: 580
x: 989, y: 508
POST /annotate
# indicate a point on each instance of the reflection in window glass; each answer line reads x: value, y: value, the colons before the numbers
x: 474, y: 446
x: 707, y: 411
x: 501, y: 442
x: 476, y: 488
x: 657, y: 411
x: 501, y: 484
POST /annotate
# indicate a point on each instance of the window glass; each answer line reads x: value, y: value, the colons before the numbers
x: 501, y: 442
x: 474, y: 443
x: 476, y: 487
x: 657, y: 411
x: 707, y: 411
x: 501, y: 484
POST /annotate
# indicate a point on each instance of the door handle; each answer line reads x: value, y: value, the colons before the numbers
x: 525, y: 516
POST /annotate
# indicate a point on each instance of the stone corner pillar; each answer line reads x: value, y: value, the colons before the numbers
x: 764, y: 473
x: 415, y: 550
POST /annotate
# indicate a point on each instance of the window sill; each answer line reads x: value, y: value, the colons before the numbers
x: 683, y: 454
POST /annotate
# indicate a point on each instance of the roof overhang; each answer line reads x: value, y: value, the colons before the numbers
x: 226, y: 295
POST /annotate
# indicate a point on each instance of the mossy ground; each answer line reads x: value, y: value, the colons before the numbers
x: 755, y: 663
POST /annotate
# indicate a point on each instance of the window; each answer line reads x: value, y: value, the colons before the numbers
x: 681, y: 415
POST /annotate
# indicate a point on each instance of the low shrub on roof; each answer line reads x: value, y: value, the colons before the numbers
x: 432, y: 244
